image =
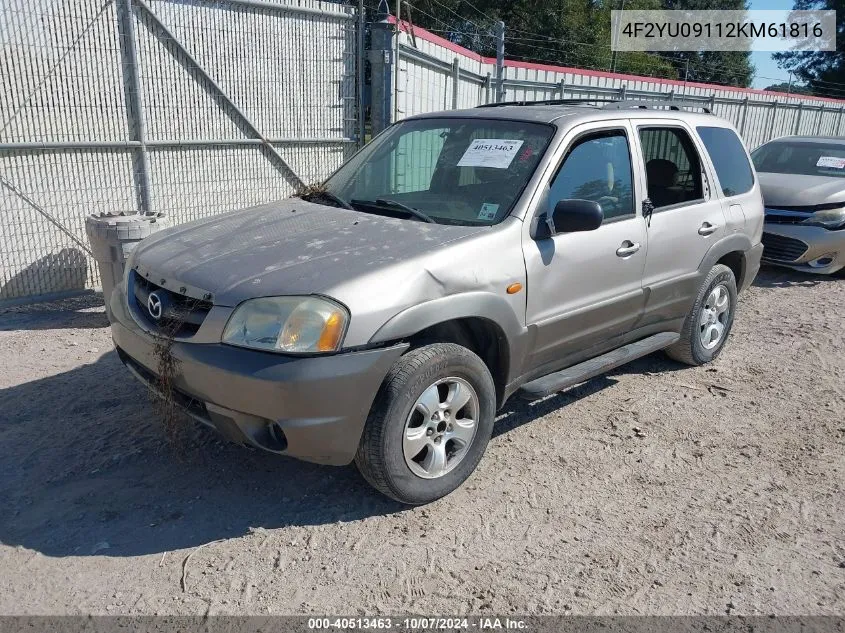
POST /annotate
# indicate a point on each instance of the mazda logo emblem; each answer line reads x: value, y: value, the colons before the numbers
x: 154, y: 305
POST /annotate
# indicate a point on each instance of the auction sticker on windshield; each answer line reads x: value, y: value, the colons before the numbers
x: 831, y: 161
x: 490, y: 152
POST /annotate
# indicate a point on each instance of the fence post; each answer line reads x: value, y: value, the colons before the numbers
x: 798, y: 117
x: 839, y: 123
x: 359, y: 75
x: 500, y: 61
x: 487, y: 85
x: 713, y: 102
x: 819, y: 120
x: 134, y: 109
x: 744, y: 116
x: 456, y: 82
x: 562, y: 86
x: 623, y: 91
x: 382, y: 66
x: 771, y: 125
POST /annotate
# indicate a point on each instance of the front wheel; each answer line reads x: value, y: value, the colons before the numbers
x: 708, y: 324
x: 429, y: 425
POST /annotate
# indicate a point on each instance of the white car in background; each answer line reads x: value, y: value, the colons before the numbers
x: 803, y: 183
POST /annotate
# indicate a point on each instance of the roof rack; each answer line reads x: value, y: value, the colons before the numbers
x: 633, y: 104
x: 547, y: 102
x: 609, y: 104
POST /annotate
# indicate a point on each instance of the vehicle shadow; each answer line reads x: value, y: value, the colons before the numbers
x: 777, y: 277
x: 88, y: 469
x: 85, y: 311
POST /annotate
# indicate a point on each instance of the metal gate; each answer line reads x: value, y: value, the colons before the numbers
x: 191, y: 108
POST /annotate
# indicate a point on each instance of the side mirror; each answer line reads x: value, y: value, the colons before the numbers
x: 570, y: 216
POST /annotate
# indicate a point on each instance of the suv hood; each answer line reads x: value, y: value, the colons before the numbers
x: 798, y: 190
x: 286, y: 247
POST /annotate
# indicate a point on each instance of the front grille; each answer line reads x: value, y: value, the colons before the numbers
x: 181, y: 316
x: 784, y: 249
x: 786, y: 216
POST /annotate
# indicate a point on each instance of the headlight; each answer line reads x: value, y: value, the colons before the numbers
x: 297, y: 325
x: 828, y: 218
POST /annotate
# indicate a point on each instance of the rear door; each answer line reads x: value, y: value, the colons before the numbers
x: 687, y: 218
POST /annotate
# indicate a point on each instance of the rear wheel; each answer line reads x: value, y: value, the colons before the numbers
x: 708, y: 324
x: 430, y: 424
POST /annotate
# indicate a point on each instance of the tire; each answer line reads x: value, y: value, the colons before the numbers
x: 691, y: 349
x: 397, y: 425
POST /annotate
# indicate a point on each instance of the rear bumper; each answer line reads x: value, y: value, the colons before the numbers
x: 310, y: 408
x: 819, y: 242
x: 752, y: 266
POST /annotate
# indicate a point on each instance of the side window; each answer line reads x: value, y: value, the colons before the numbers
x: 729, y: 159
x: 672, y: 166
x: 598, y: 168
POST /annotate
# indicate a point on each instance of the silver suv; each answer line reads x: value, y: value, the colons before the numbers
x: 456, y: 260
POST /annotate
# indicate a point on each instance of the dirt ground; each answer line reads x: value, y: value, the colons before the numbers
x: 658, y: 489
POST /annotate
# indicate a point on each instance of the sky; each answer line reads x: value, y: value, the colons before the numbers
x: 767, y: 70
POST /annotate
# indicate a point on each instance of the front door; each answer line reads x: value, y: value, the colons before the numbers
x: 584, y: 289
x: 687, y: 219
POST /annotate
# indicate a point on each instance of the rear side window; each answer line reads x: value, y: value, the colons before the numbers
x: 673, y: 169
x: 728, y: 156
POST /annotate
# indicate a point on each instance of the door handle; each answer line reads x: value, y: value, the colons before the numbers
x: 627, y: 249
x: 707, y: 229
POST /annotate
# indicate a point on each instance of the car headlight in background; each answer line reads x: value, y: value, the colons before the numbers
x: 296, y: 325
x: 828, y: 218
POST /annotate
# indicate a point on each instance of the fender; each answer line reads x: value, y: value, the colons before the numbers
x: 728, y: 244
x: 477, y: 304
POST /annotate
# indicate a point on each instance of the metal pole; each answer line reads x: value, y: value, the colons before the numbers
x: 789, y: 85
x: 770, y: 128
x: 616, y: 53
x: 456, y: 82
x: 360, y: 73
x: 500, y: 61
x: 134, y: 109
x: 487, y: 87
x: 562, y: 86
x: 798, y: 118
x: 396, y: 61
x: 744, y: 116
x: 839, y: 123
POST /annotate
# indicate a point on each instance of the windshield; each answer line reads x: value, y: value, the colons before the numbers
x: 449, y: 171
x: 807, y: 159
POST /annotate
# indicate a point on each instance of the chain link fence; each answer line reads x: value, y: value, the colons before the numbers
x: 190, y: 108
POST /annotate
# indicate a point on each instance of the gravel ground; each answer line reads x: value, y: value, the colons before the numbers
x: 658, y: 489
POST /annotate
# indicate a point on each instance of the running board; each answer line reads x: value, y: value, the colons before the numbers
x: 565, y: 378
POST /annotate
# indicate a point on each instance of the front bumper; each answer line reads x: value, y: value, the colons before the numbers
x: 310, y: 408
x: 819, y: 242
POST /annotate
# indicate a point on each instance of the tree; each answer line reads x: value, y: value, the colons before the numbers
x: 824, y: 72
x: 732, y: 68
x: 790, y: 88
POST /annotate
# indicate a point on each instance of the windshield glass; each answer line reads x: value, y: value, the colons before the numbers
x: 450, y: 171
x: 808, y: 159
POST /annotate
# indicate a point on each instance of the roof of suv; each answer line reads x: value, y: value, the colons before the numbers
x: 575, y: 113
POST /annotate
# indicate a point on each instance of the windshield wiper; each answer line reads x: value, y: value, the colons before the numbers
x: 393, y: 204
x: 327, y: 195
